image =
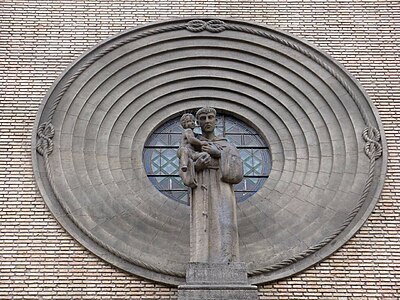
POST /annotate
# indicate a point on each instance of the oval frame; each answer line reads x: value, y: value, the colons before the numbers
x: 50, y: 125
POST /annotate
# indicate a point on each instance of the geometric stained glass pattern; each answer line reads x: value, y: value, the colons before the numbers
x: 162, y: 164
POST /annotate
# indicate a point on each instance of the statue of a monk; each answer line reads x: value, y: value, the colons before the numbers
x: 210, y: 176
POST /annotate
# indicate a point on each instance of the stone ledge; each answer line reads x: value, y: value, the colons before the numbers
x: 217, y: 282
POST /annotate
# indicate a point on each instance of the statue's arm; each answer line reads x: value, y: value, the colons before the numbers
x: 212, y: 150
x: 202, y: 162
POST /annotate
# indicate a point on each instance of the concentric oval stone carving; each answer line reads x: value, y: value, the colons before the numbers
x: 324, y: 134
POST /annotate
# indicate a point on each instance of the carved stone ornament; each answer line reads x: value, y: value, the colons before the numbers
x: 325, y: 137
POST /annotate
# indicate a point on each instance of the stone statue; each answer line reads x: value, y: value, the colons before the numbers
x: 210, y: 165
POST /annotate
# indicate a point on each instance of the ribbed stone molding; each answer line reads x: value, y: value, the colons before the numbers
x: 326, y: 140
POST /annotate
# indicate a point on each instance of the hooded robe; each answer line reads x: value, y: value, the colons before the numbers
x: 213, y: 221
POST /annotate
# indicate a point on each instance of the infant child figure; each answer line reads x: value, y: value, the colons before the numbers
x: 190, y: 146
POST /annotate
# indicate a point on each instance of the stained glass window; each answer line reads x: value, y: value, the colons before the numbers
x: 162, y: 164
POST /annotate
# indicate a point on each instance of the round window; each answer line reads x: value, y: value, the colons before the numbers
x: 162, y: 164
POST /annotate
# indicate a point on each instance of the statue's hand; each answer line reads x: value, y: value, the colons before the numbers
x: 202, y: 162
x: 212, y: 150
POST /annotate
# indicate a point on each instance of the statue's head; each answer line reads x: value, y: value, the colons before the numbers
x: 206, y: 117
x: 188, y: 121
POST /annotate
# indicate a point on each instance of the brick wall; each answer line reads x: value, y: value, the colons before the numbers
x: 39, y: 260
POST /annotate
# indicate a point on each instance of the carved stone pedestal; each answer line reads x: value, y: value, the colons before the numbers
x: 217, y: 282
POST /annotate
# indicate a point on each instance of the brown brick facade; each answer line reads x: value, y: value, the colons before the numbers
x: 39, y: 260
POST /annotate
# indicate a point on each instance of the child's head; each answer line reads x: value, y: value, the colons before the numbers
x: 188, y: 121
